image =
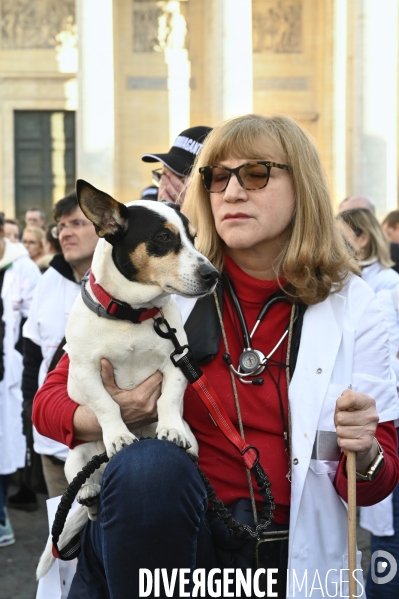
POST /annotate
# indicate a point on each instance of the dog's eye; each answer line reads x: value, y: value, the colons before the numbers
x: 163, y: 237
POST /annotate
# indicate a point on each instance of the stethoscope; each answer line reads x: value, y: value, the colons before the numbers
x: 252, y: 362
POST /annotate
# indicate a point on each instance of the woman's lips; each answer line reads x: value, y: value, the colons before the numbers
x: 237, y: 216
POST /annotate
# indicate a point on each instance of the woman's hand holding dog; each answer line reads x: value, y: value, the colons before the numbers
x: 138, y: 406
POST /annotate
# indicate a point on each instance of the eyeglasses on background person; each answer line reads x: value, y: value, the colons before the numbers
x: 251, y: 175
x: 30, y: 242
x: 74, y: 225
x: 157, y: 176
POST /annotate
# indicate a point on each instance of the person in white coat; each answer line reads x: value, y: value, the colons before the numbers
x: 364, y: 233
x: 44, y: 329
x: 18, y: 279
x: 259, y: 201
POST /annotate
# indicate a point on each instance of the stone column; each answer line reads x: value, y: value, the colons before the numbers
x: 172, y: 31
x: 340, y: 100
x: 96, y: 113
x: 376, y: 103
x: 228, y: 58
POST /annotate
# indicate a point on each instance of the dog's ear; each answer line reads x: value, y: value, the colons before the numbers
x: 109, y: 217
x: 176, y: 207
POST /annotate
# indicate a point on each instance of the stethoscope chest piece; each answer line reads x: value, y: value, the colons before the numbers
x: 252, y: 362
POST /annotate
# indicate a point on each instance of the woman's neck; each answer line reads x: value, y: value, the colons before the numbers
x: 2, y: 247
x: 255, y: 265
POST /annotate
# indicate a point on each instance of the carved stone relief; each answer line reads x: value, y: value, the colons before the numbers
x: 277, y: 26
x: 159, y: 25
x: 145, y: 25
x: 35, y: 23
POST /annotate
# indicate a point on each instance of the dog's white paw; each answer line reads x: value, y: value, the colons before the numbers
x: 88, y: 494
x: 174, y: 435
x: 119, y: 443
x: 92, y: 511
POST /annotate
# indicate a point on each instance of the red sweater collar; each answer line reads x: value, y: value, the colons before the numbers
x: 248, y: 288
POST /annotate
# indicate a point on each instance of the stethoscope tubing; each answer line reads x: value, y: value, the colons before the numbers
x: 247, y: 337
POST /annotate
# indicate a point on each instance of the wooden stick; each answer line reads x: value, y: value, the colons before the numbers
x: 351, y: 473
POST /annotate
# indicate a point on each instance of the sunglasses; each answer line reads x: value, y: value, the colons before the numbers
x: 251, y: 175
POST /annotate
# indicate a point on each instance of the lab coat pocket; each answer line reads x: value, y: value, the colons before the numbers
x: 326, y: 419
x: 326, y: 452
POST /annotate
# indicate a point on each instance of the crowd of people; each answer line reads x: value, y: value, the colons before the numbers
x: 324, y: 290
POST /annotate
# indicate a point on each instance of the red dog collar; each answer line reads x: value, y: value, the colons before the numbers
x: 117, y: 308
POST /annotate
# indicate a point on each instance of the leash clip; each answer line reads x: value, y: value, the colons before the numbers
x: 170, y: 334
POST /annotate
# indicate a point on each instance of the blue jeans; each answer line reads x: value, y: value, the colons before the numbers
x: 390, y: 590
x: 153, y: 514
x: 4, y: 484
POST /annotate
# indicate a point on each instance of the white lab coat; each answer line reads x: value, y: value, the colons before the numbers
x: 380, y: 278
x: 344, y: 342
x: 48, y: 316
x: 20, y: 280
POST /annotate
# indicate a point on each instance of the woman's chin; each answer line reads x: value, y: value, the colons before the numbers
x: 239, y: 244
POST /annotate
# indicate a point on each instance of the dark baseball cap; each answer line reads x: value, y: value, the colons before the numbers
x: 149, y: 193
x: 182, y: 154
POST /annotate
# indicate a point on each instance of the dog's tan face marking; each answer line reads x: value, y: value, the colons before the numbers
x: 172, y: 228
x: 152, y: 270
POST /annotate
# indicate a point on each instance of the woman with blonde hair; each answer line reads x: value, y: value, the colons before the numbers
x: 364, y: 233
x: 294, y: 346
x: 33, y: 238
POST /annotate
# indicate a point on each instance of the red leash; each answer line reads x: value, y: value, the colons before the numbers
x: 193, y: 373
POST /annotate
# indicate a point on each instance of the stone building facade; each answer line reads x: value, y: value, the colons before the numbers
x: 86, y: 87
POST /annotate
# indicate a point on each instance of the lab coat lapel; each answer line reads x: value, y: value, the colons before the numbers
x: 319, y: 346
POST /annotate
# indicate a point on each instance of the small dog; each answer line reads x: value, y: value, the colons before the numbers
x: 145, y: 253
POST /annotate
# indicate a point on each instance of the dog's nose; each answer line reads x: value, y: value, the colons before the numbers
x: 208, y: 273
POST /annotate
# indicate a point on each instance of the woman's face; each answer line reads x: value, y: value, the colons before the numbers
x: 258, y: 220
x: 32, y: 244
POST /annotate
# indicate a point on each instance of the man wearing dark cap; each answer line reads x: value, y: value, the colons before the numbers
x: 177, y: 163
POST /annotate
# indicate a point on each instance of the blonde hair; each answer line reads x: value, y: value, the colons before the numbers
x: 361, y: 221
x: 315, y: 260
x: 37, y: 232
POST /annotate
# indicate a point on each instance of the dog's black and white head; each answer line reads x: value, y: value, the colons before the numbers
x: 152, y: 242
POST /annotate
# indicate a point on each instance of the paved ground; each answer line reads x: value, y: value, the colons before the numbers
x: 18, y: 562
